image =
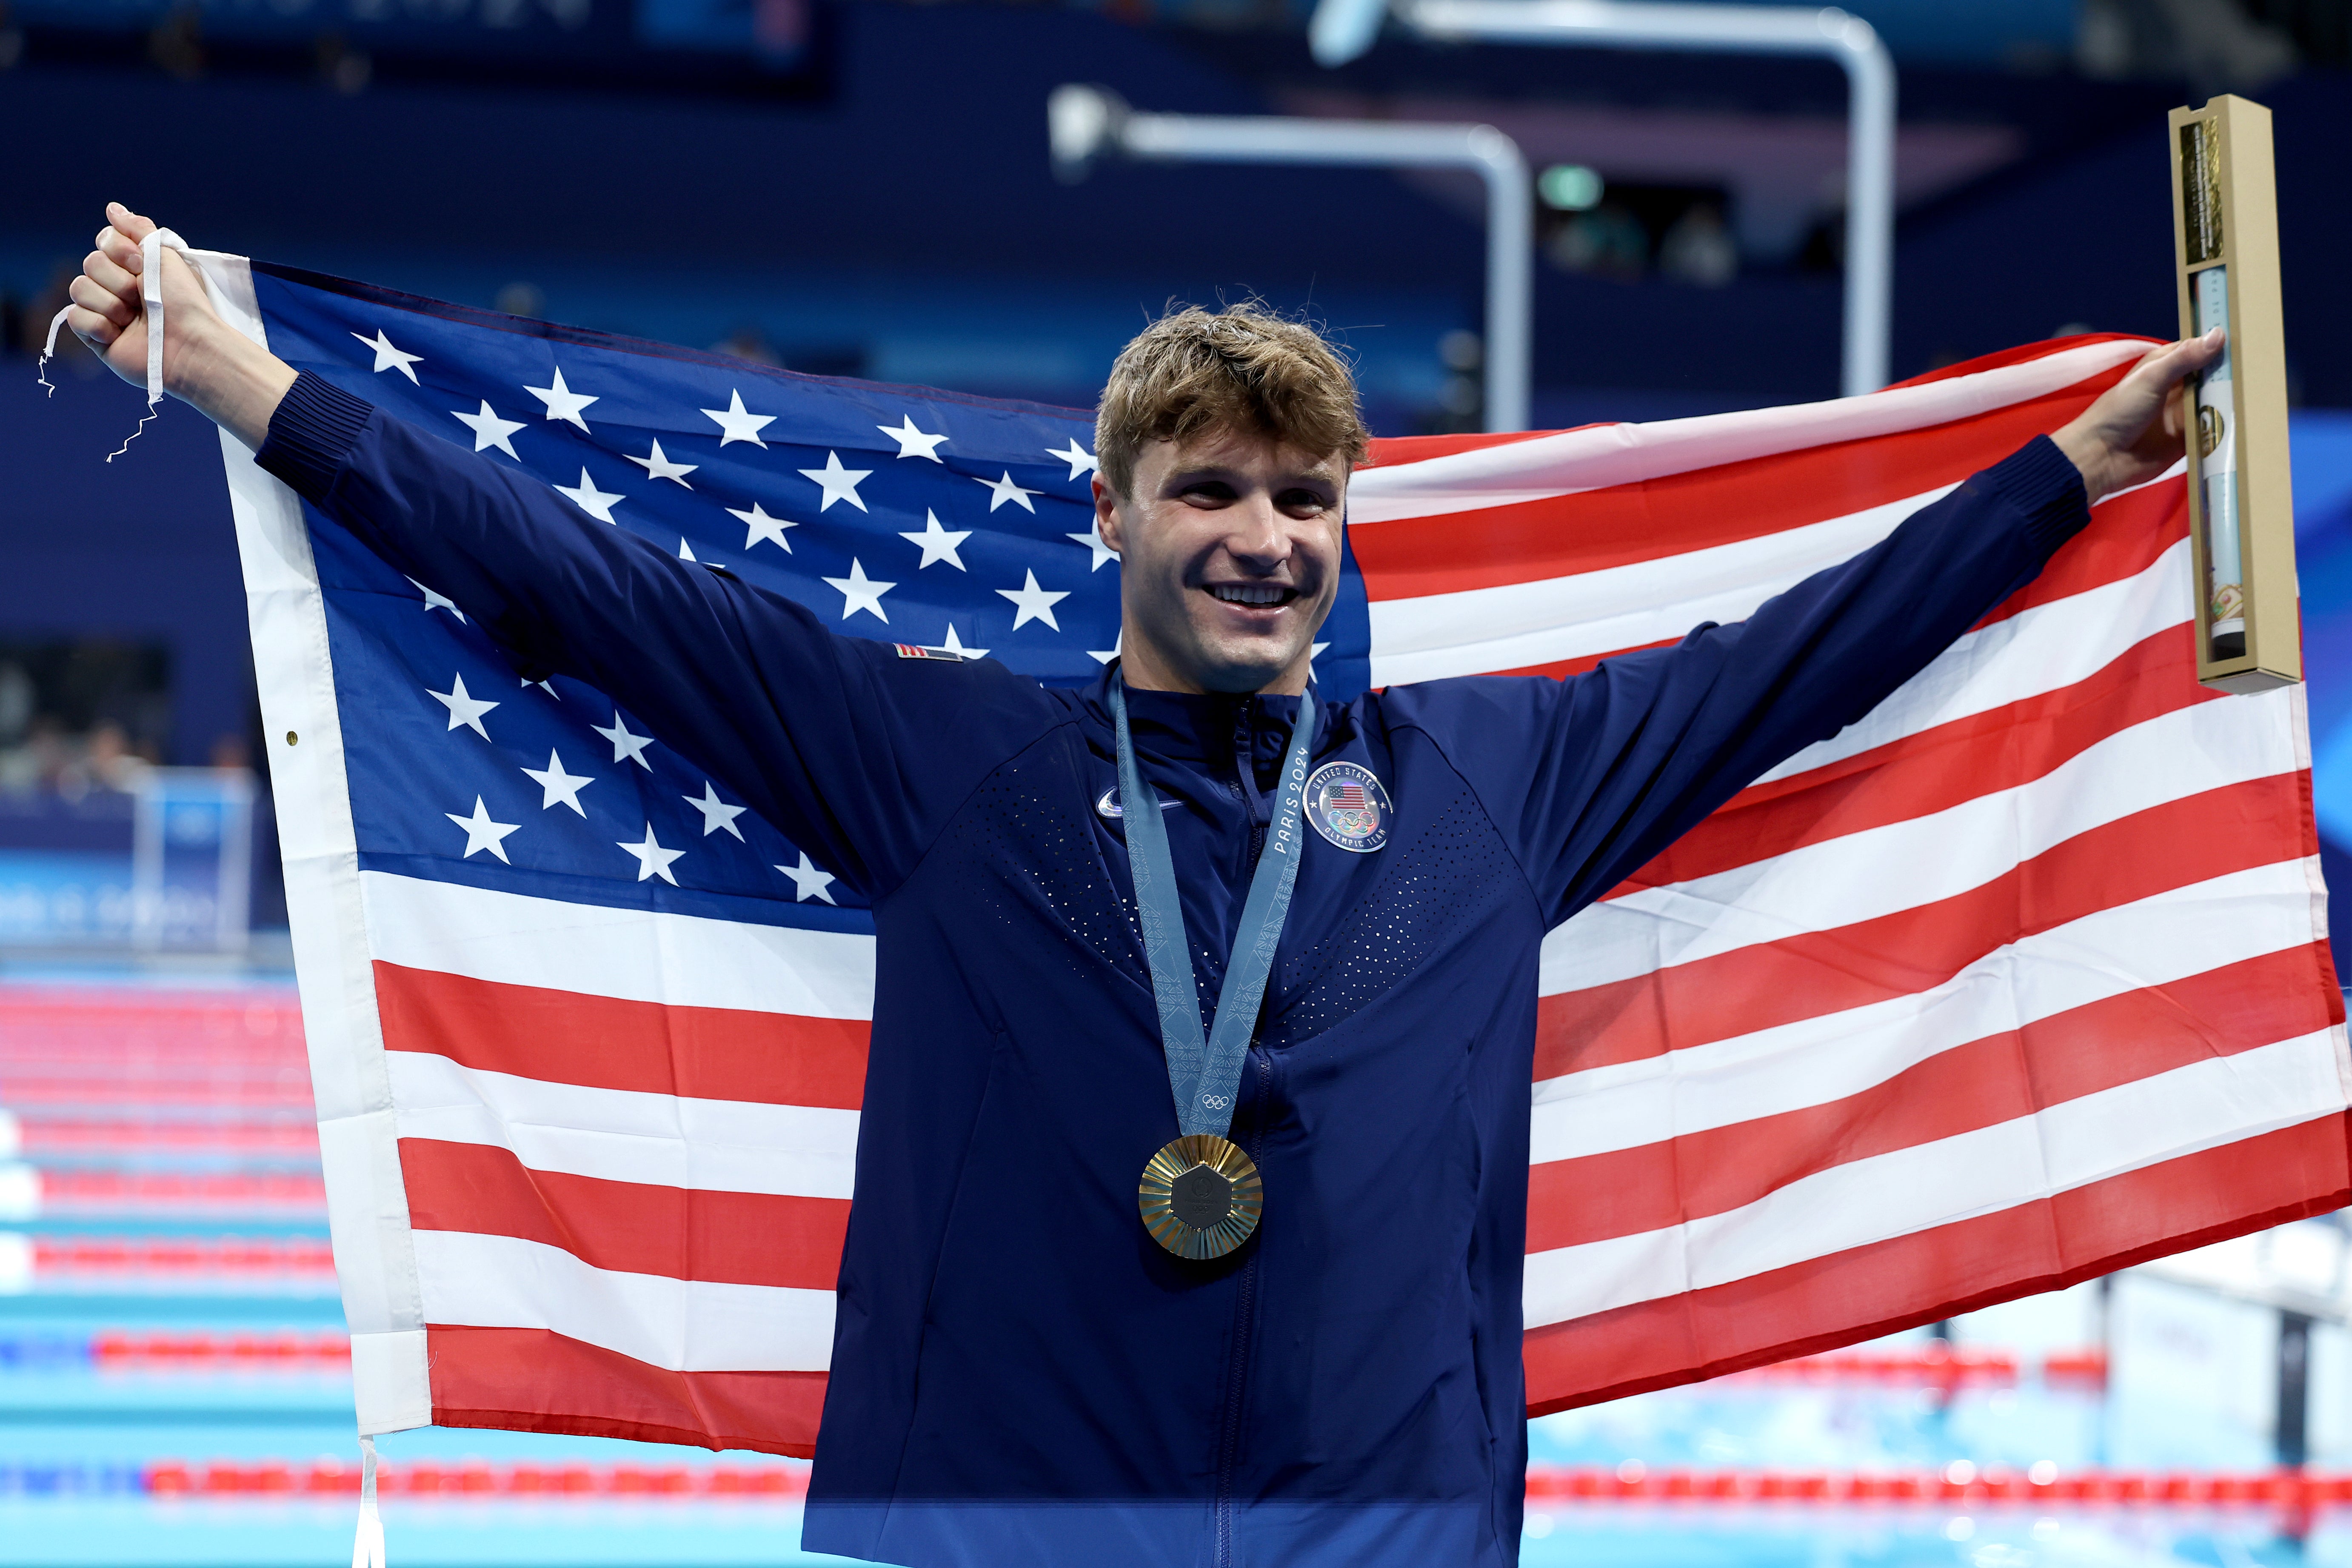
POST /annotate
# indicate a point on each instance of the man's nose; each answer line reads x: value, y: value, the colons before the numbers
x: 1259, y: 533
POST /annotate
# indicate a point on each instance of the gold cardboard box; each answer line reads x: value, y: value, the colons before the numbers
x: 2241, y: 507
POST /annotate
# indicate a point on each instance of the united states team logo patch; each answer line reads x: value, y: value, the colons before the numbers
x: 1349, y: 807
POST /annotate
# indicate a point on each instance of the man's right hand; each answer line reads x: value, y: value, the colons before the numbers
x: 218, y: 370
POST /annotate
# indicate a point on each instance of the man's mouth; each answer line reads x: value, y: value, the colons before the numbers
x: 1255, y: 595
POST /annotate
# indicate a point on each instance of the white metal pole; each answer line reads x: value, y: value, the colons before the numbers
x: 1086, y: 122
x: 1770, y: 29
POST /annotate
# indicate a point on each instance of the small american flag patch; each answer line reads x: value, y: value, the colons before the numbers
x: 909, y: 650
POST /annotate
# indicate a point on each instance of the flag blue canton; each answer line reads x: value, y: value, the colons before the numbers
x: 897, y: 513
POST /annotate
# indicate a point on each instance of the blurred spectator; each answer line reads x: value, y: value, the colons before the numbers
x: 18, y: 702
x: 108, y: 762
x: 37, y: 761
x: 81, y: 714
x: 1699, y: 249
x: 1608, y: 242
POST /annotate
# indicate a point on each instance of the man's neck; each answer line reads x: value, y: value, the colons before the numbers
x: 1144, y: 669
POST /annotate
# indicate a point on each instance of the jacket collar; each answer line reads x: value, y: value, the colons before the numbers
x: 1194, y: 727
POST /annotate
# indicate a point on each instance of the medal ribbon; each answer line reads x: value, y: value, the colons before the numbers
x: 1205, y: 1074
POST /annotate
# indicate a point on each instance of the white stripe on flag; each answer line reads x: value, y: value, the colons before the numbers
x: 1854, y: 878
x: 2151, y: 943
x: 2045, y: 648
x: 1517, y: 624
x: 2135, y: 1125
x: 624, y: 1135
x: 1516, y: 471
x: 632, y: 955
x: 471, y: 1280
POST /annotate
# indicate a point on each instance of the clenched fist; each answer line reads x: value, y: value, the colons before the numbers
x: 206, y: 363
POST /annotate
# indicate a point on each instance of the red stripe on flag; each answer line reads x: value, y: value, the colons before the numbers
x: 1390, y: 451
x: 734, y: 1238
x: 1936, y: 769
x: 533, y: 1380
x: 2124, y: 537
x: 1591, y: 530
x: 2232, y: 828
x: 1999, y: 1077
x: 2047, y: 1244
x: 2024, y: 353
x: 599, y: 1042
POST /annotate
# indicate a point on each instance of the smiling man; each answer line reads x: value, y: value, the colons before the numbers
x: 1191, y: 1181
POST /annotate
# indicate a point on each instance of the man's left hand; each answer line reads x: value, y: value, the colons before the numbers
x: 2138, y: 428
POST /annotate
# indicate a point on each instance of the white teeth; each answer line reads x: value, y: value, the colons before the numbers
x: 1250, y: 593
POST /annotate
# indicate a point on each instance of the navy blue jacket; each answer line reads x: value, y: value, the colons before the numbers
x: 1020, y: 1374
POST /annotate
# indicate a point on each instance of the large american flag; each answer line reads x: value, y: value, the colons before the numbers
x: 2020, y: 979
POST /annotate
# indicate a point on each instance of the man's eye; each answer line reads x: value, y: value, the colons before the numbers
x: 1303, y: 500
x: 1208, y: 489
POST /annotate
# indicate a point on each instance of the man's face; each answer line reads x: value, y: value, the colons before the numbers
x: 1229, y: 560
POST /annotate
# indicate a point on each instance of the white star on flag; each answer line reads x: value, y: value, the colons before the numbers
x: 939, y: 543
x: 1035, y: 603
x: 596, y: 503
x: 736, y: 424
x: 716, y: 814
x: 952, y: 645
x: 390, y: 358
x: 658, y: 466
x: 1093, y: 540
x: 1316, y: 651
x: 1104, y: 655
x: 558, y: 787
x: 544, y: 686
x: 860, y: 591
x: 482, y: 833
x: 758, y: 525
x: 838, y: 483
x: 1004, y: 489
x: 625, y: 744
x: 434, y: 600
x: 1082, y: 462
x: 562, y: 403
x: 912, y: 443
x: 808, y: 882
x: 490, y: 430
x: 686, y: 551
x: 464, y: 707
x: 653, y: 860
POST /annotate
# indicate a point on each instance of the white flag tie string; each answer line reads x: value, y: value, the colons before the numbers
x: 367, y: 1546
x: 150, y: 296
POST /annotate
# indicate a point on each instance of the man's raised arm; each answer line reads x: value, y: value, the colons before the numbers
x: 1592, y: 775
x: 816, y: 731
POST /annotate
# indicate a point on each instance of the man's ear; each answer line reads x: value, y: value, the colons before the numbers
x: 1106, y: 517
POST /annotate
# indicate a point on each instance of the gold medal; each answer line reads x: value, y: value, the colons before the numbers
x: 1200, y: 1197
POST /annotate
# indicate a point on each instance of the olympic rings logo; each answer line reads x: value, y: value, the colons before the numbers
x: 1216, y: 1101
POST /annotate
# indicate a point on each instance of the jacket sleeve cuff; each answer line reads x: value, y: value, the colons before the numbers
x: 310, y: 434
x: 2043, y: 483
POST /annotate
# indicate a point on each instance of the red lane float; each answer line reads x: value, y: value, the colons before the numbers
x: 1963, y: 1483
x: 133, y: 1351
x: 1932, y: 1367
x: 1933, y: 1364
x: 229, y: 1255
x: 475, y: 1478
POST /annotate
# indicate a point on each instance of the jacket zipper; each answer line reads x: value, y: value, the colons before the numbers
x: 1229, y: 1441
x: 1229, y: 1436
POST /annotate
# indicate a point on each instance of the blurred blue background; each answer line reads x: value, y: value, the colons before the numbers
x: 861, y: 187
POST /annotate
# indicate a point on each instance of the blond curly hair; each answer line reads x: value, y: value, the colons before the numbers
x: 1241, y: 368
